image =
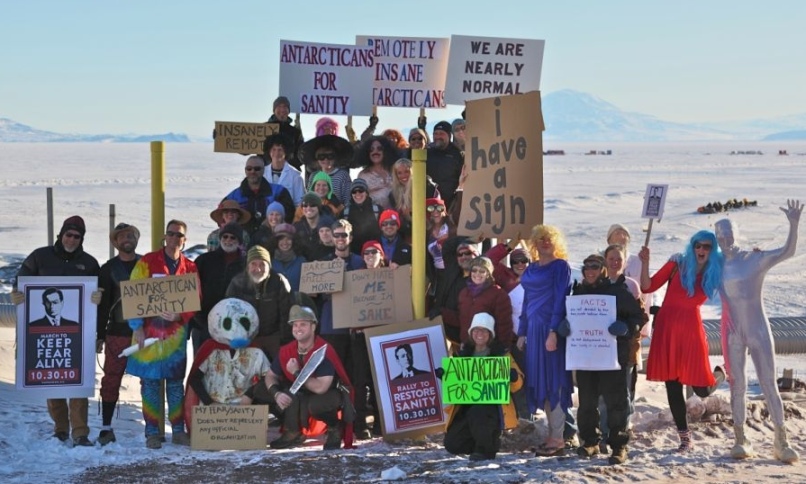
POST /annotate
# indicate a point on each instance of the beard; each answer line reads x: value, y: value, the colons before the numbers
x: 229, y: 248
x: 258, y: 278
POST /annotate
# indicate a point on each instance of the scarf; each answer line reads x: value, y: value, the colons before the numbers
x: 476, y: 289
x: 284, y: 256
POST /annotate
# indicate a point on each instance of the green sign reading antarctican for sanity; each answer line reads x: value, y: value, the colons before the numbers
x: 476, y: 380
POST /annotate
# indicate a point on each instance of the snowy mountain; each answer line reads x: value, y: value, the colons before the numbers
x: 12, y: 131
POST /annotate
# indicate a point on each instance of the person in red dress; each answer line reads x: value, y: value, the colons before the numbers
x: 678, y: 354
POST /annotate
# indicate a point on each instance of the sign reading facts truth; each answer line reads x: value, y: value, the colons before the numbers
x: 319, y: 277
x: 144, y: 298
x: 326, y: 78
x: 409, y: 72
x: 229, y: 427
x: 476, y: 380
x: 482, y: 67
x: 590, y: 346
x: 503, y: 193
x: 373, y: 297
x: 242, y: 137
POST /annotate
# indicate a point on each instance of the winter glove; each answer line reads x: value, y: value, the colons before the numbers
x: 463, y: 114
x: 618, y: 328
x: 96, y: 296
x: 17, y: 297
x: 439, y: 372
x: 564, y: 328
x: 99, y: 346
x: 421, y: 122
x: 214, y: 134
x: 513, y: 375
x: 373, y: 121
x: 136, y: 323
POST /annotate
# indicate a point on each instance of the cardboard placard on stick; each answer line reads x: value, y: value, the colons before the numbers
x: 144, y: 298
x: 476, y: 380
x: 234, y: 137
x: 229, y: 427
x: 373, y: 297
x: 503, y: 193
x: 320, y: 277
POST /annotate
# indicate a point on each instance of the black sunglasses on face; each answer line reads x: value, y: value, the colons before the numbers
x: 325, y: 156
x: 340, y: 235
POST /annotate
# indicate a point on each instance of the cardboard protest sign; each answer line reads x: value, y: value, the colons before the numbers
x: 654, y: 201
x: 319, y: 277
x: 503, y: 193
x: 409, y: 72
x: 56, y: 336
x: 372, y: 297
x: 476, y: 380
x: 590, y: 346
x: 232, y: 137
x: 326, y: 78
x: 403, y: 357
x: 145, y: 298
x: 229, y: 427
x: 482, y: 67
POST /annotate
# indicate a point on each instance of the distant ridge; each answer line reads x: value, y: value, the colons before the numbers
x: 14, y: 132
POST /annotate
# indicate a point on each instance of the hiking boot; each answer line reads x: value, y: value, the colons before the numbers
x: 619, y: 456
x: 477, y: 456
x: 603, y: 447
x: 288, y: 439
x: 154, y: 442
x: 82, y: 441
x: 588, y: 450
x: 106, y: 437
x: 362, y: 433
x: 62, y: 436
x: 180, y: 438
x: 333, y: 438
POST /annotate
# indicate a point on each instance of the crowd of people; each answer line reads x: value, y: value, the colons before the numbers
x: 506, y: 300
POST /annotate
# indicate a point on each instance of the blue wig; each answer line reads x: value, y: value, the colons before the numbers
x: 712, y: 274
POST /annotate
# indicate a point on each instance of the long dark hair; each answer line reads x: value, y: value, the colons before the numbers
x: 390, y: 154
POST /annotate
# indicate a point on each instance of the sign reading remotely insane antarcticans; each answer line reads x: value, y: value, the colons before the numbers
x: 372, y: 297
x: 590, y: 346
x: 145, y: 298
x: 56, y: 336
x: 409, y: 71
x: 321, y: 277
x: 476, y: 380
x: 403, y: 358
x: 482, y: 67
x: 233, y: 137
x: 229, y: 427
x: 503, y: 193
x: 327, y: 78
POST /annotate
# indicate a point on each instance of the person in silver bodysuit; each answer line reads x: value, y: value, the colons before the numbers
x: 745, y: 326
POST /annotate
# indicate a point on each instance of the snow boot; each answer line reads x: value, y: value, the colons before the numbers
x: 782, y: 451
x: 619, y: 456
x: 588, y: 451
x: 742, y: 448
x: 685, y: 441
x: 106, y: 437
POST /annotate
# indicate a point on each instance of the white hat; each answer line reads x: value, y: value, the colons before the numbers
x: 483, y: 320
x: 615, y: 227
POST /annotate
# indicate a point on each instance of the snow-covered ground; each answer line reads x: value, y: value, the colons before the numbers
x: 583, y: 196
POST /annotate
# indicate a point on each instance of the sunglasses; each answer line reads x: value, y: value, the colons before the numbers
x: 592, y: 265
x: 520, y: 261
x: 389, y: 223
x: 370, y: 251
x: 228, y: 237
x: 254, y: 168
x: 416, y: 138
x: 72, y: 235
x: 700, y: 245
x: 459, y: 128
x: 435, y: 208
x: 308, y: 205
x: 340, y: 235
x: 325, y: 156
x: 478, y: 270
x: 464, y: 253
x: 171, y: 233
x: 358, y: 190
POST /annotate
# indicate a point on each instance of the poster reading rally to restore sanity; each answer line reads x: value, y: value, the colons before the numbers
x: 56, y: 336
x: 503, y: 193
x: 590, y: 346
x: 482, y: 67
x: 409, y: 72
x: 403, y: 359
x: 326, y: 78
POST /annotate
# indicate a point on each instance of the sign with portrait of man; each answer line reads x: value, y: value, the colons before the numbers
x: 56, y: 336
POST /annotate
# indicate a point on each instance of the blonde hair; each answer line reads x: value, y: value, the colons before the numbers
x: 552, y: 233
x: 401, y: 192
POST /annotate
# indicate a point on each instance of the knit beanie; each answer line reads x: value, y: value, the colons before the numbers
x: 234, y: 229
x: 483, y: 320
x: 389, y: 214
x: 73, y: 223
x: 313, y: 199
x: 519, y: 254
x: 444, y: 126
x: 276, y: 207
x: 359, y: 183
x: 281, y: 100
x: 484, y: 262
x: 373, y: 244
x: 258, y: 253
x: 615, y: 227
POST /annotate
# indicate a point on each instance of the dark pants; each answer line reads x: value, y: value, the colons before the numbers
x: 341, y: 343
x: 324, y: 407
x: 361, y: 378
x: 475, y: 429
x: 612, y: 387
x: 677, y: 402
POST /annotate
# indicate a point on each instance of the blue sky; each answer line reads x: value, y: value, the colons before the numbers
x: 155, y: 66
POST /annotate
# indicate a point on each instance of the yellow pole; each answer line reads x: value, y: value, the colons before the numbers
x: 157, y: 194
x: 418, y: 158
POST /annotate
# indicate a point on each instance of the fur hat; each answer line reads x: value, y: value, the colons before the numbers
x: 74, y: 223
x: 389, y: 214
x: 324, y: 121
x: 484, y: 262
x: 276, y: 206
x: 471, y: 247
x: 121, y: 228
x: 359, y: 183
x: 258, y: 253
x: 281, y: 100
x: 615, y: 227
x: 218, y: 214
x: 233, y: 229
x: 483, y: 320
x: 301, y: 313
x: 519, y: 254
x: 311, y: 198
x: 284, y: 230
x: 373, y: 244
x: 444, y: 126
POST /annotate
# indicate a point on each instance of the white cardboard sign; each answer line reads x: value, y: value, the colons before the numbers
x: 590, y: 346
